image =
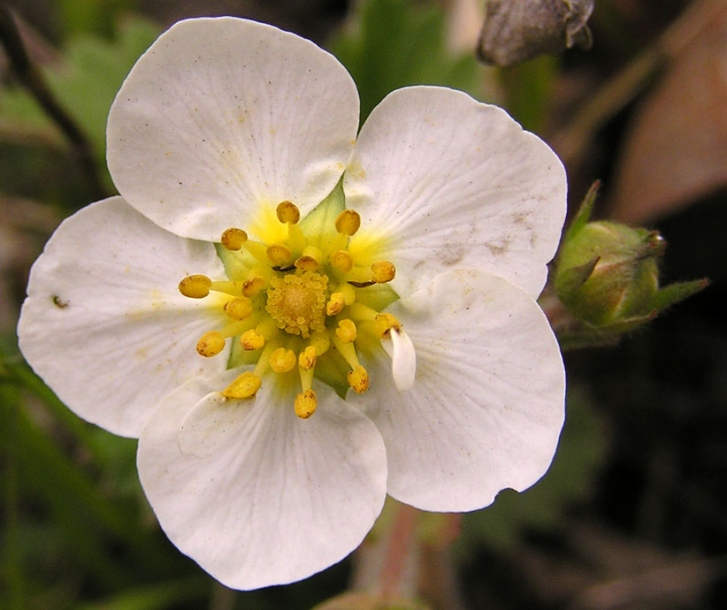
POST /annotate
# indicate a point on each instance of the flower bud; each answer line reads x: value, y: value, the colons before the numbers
x: 607, y: 274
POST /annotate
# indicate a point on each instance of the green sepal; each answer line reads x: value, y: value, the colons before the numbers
x: 320, y: 224
x: 573, y: 278
x: 584, y: 212
x: 674, y: 293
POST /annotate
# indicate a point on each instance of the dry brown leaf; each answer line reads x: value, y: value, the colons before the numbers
x: 676, y: 150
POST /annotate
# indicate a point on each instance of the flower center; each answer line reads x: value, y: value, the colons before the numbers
x: 297, y: 303
x: 301, y: 307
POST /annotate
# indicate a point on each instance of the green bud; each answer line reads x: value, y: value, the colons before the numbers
x: 607, y: 274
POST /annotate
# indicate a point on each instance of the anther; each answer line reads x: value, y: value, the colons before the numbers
x: 341, y: 260
x: 283, y: 360
x: 210, y: 344
x: 310, y: 260
x: 233, y: 239
x: 383, y: 271
x: 279, y: 254
x: 384, y: 322
x: 288, y: 212
x: 195, y: 286
x: 307, y: 358
x: 253, y: 286
x: 358, y: 379
x: 348, y: 222
x: 346, y: 331
x: 245, y: 386
x: 305, y: 404
x: 251, y: 340
x: 239, y: 308
x: 335, y: 304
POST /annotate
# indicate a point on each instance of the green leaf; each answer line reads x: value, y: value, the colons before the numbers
x: 396, y: 43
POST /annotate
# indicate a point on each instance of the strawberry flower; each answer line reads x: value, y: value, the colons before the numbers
x: 294, y: 318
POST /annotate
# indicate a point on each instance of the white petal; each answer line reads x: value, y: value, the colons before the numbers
x: 104, y: 324
x: 456, y: 183
x: 280, y: 499
x: 403, y: 359
x: 222, y: 115
x: 486, y: 409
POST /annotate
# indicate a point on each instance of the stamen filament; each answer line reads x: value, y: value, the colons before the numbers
x: 227, y: 287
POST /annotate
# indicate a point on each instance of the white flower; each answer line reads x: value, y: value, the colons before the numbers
x: 227, y: 126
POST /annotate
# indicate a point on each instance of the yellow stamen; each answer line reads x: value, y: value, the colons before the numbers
x: 227, y: 287
x: 360, y: 312
x: 288, y: 212
x: 258, y: 251
x: 239, y: 308
x: 383, y: 271
x: 210, y: 344
x: 358, y: 379
x: 233, y: 239
x: 253, y: 286
x: 310, y: 260
x: 251, y: 340
x: 307, y: 358
x: 195, y: 286
x: 341, y: 260
x: 384, y: 322
x: 283, y: 360
x: 305, y: 404
x: 335, y: 304
x: 348, y: 222
x: 346, y: 331
x: 279, y: 254
x: 245, y: 386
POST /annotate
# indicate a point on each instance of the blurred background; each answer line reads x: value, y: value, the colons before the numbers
x: 633, y: 513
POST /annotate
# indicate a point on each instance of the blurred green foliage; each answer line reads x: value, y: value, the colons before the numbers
x: 390, y: 44
x: 85, y: 82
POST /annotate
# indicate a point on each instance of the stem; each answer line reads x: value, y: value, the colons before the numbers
x: 30, y: 77
x: 402, y: 543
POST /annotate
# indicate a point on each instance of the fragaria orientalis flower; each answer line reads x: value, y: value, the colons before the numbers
x: 294, y: 318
